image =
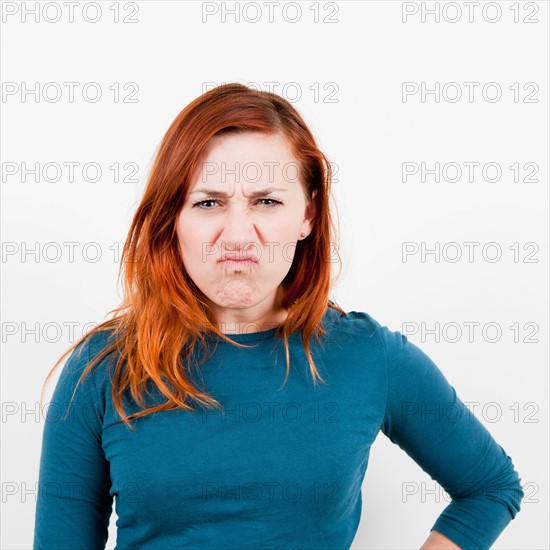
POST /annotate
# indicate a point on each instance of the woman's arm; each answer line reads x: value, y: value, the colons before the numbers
x: 74, y: 504
x: 425, y: 418
x: 437, y: 541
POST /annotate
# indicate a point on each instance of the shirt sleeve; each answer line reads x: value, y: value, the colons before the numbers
x: 425, y: 417
x: 73, y: 504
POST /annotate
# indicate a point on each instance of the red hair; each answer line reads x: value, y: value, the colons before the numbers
x: 161, y: 315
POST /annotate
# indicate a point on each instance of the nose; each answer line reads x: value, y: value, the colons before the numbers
x: 239, y: 231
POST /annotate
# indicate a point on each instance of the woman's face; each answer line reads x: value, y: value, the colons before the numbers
x: 246, y: 201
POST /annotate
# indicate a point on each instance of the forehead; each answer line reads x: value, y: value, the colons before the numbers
x: 249, y: 158
x: 248, y: 146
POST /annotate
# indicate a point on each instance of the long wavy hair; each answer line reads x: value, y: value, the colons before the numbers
x: 163, y: 314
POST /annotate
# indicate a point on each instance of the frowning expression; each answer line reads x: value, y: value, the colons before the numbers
x: 242, y: 218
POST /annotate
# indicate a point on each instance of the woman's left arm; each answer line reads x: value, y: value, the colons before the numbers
x: 425, y: 417
x: 437, y: 541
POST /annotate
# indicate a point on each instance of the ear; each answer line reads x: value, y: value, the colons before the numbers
x: 309, y: 219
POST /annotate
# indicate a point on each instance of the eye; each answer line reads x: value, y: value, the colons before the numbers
x: 201, y: 204
x: 275, y: 202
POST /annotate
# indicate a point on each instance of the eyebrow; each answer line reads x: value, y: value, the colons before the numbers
x: 216, y: 193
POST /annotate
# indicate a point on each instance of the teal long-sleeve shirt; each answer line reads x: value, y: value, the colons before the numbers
x: 281, y: 466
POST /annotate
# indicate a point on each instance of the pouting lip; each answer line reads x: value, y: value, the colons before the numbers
x: 233, y: 256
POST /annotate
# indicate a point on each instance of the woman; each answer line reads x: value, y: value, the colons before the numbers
x: 178, y: 406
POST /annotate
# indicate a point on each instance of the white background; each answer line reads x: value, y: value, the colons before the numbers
x: 368, y: 131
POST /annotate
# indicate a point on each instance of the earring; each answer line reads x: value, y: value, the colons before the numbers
x: 302, y: 235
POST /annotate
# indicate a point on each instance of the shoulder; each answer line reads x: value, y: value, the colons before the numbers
x: 408, y: 367
x: 376, y: 341
x: 73, y: 371
x: 409, y: 371
x: 97, y: 342
x: 362, y: 325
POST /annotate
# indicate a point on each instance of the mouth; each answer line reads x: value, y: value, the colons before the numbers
x: 237, y: 264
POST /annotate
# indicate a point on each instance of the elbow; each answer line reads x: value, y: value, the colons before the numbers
x: 510, y: 496
x: 507, y: 488
x: 515, y: 498
x: 513, y: 492
x: 504, y: 491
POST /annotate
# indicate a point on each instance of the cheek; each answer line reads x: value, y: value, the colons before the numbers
x: 189, y: 239
x: 286, y: 237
